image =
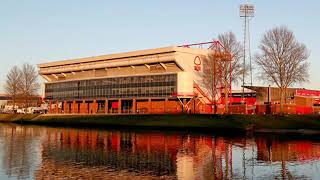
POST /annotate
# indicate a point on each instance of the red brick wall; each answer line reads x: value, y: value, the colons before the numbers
x: 316, y: 109
x: 156, y: 106
x: 238, y: 109
x: 275, y: 109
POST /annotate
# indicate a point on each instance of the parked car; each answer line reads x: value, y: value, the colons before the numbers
x: 21, y: 111
x: 34, y: 110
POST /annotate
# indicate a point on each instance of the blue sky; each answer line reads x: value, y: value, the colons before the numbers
x: 38, y: 31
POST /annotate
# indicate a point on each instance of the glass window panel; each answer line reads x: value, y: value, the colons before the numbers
x: 137, y: 86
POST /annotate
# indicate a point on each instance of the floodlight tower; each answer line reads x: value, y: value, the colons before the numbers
x: 246, y: 13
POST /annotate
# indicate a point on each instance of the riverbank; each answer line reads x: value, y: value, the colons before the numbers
x: 256, y: 123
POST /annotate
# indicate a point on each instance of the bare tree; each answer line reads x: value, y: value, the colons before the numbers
x: 217, y: 70
x: 29, y: 82
x: 234, y: 47
x: 209, y: 75
x: 282, y: 60
x: 13, y: 84
x: 216, y: 75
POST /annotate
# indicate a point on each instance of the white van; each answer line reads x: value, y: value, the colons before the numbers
x: 34, y: 110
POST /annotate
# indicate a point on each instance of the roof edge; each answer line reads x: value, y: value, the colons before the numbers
x: 110, y: 56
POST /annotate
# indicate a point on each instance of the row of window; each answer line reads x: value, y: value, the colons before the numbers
x: 110, y: 86
x: 118, y: 87
x: 115, y: 81
x: 240, y: 95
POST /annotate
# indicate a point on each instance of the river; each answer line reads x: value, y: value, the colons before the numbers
x: 39, y: 152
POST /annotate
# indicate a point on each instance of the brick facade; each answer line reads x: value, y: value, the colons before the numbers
x: 138, y: 106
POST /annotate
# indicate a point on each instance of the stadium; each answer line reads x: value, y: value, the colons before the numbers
x: 159, y: 81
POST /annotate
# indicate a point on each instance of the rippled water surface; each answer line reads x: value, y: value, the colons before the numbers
x: 35, y: 152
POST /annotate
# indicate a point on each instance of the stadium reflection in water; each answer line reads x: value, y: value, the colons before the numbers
x: 33, y: 152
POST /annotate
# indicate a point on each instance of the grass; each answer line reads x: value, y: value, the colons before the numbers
x: 311, y: 122
x: 17, y: 117
x: 180, y: 121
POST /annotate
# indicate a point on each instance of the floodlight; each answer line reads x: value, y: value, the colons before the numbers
x: 246, y: 10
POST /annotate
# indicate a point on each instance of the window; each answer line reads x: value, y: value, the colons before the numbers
x: 117, y: 87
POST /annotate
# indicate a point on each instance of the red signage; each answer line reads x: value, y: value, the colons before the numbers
x: 305, y: 92
x: 197, y: 63
x: 115, y: 105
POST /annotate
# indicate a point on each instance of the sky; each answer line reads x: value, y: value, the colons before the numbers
x: 39, y: 31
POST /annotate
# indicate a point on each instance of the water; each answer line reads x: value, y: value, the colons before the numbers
x: 38, y: 152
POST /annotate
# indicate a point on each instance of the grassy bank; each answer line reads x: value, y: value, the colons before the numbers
x: 17, y: 117
x: 181, y: 121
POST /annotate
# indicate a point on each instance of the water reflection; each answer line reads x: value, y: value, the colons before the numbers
x: 50, y: 153
x: 19, y: 151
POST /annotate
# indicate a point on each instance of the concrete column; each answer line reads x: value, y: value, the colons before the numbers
x: 134, y: 106
x: 83, y: 107
x: 194, y: 106
x: 184, y: 106
x: 74, y: 107
x: 94, y: 107
x: 119, y: 106
x: 64, y: 107
x: 106, y: 107
x: 50, y: 107
x: 149, y: 106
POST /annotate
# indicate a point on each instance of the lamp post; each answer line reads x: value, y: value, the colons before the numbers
x: 246, y: 12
